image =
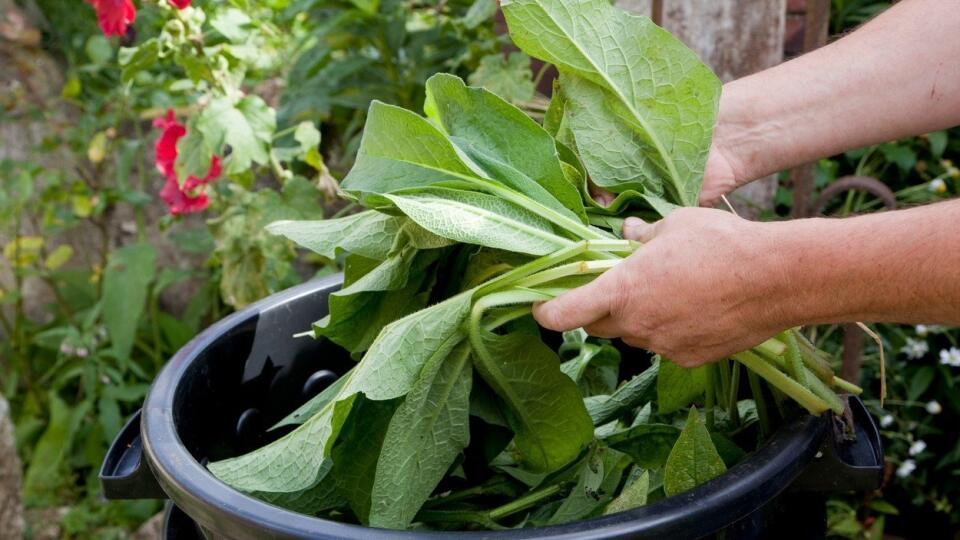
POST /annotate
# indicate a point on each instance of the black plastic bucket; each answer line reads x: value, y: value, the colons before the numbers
x: 217, y: 395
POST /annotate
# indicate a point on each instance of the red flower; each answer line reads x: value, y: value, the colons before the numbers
x: 189, y: 197
x: 114, y: 16
x: 179, y: 4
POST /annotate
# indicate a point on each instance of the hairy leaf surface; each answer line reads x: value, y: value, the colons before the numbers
x: 641, y: 105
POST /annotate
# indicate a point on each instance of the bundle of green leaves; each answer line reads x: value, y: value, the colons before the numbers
x: 473, y: 213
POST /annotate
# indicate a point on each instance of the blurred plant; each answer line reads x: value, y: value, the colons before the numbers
x: 250, y: 101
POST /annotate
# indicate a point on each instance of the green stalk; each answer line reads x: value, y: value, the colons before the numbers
x: 772, y: 346
x: 846, y: 386
x: 732, y: 409
x: 799, y: 393
x: 763, y: 414
x: 567, y: 270
x: 826, y: 394
x: 723, y: 368
x: 459, y: 517
x: 794, y: 361
x: 710, y: 394
x: 509, y: 278
x: 527, y: 501
x: 813, y: 359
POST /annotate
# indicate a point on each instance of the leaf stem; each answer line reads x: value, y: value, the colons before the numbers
x: 799, y: 393
x: 763, y: 414
x: 531, y: 499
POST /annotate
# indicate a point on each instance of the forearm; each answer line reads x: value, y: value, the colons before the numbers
x: 897, y: 267
x: 894, y: 77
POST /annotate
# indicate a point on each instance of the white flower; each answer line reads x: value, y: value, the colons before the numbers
x: 66, y: 348
x: 950, y: 357
x: 917, y: 448
x: 937, y: 186
x: 886, y: 421
x: 906, y: 468
x: 82, y: 352
x: 933, y: 407
x: 922, y: 330
x: 915, y: 348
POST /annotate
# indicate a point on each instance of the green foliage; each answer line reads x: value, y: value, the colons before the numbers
x: 693, y: 459
x: 473, y: 208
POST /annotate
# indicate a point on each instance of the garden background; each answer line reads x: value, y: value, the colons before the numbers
x: 110, y: 264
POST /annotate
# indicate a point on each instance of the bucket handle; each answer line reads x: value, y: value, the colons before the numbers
x: 846, y: 463
x: 124, y: 473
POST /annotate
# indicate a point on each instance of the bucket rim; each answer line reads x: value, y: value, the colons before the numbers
x: 740, y: 491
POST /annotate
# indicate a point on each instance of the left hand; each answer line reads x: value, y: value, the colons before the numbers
x: 705, y: 284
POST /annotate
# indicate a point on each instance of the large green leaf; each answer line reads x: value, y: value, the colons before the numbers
x: 388, y: 371
x: 478, y: 218
x: 505, y: 142
x: 678, y: 387
x: 546, y: 412
x: 128, y: 275
x: 426, y: 434
x: 246, y: 126
x: 47, y: 473
x: 399, y: 150
x: 693, y: 460
x: 270, y: 468
x: 369, y: 233
x: 507, y: 76
x: 641, y: 105
x: 356, y: 453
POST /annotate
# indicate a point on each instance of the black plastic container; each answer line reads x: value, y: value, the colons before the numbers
x: 217, y: 395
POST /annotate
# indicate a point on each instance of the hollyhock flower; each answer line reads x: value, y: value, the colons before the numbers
x: 189, y: 197
x: 114, y: 16
x: 180, y: 4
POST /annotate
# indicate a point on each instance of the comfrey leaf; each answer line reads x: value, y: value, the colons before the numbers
x: 546, y: 412
x: 503, y: 141
x: 678, y: 387
x: 427, y: 432
x: 641, y: 105
x: 370, y: 234
x: 388, y: 371
x: 693, y: 460
x: 478, y: 218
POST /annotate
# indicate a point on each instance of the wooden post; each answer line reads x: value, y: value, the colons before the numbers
x: 735, y: 38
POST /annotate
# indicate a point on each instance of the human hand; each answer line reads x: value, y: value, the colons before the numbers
x: 703, y: 286
x: 719, y: 176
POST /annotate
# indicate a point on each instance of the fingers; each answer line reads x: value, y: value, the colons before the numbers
x: 639, y: 230
x: 607, y: 327
x: 600, y: 195
x: 578, y: 307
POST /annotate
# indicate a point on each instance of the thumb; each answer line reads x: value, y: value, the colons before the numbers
x: 639, y: 230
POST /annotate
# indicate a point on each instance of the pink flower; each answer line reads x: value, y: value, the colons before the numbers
x: 179, y: 4
x: 190, y: 197
x: 114, y: 16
